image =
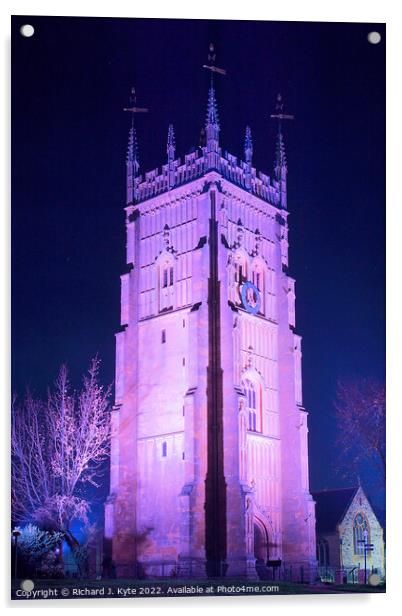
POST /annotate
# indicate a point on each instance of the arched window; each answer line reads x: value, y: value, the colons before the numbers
x: 323, y: 553
x: 252, y: 392
x: 238, y: 274
x: 258, y: 278
x: 361, y: 533
x: 167, y: 276
x: 166, y: 281
x: 240, y: 269
x: 242, y: 441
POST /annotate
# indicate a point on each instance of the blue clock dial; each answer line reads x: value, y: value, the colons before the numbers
x: 250, y: 297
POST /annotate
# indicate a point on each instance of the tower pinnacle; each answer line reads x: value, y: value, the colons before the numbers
x: 212, y: 127
x: 280, y: 156
x: 170, y: 149
x: 212, y: 109
x: 133, y: 164
x: 281, y: 167
x: 171, y: 143
x: 248, y: 146
x: 132, y: 160
x: 248, y: 157
x: 132, y: 149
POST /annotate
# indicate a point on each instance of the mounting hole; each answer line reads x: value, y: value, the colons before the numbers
x: 27, y: 585
x: 27, y: 30
x: 374, y: 579
x: 374, y: 38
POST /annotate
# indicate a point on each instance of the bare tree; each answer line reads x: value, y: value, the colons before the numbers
x: 32, y: 483
x: 360, y: 413
x: 58, y: 450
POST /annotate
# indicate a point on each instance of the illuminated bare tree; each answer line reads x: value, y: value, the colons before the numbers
x: 360, y: 413
x: 58, y: 450
x: 32, y: 483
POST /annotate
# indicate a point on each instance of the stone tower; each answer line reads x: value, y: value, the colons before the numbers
x: 209, y: 462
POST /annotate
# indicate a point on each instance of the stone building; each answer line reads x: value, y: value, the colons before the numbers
x: 346, y: 527
x: 209, y: 461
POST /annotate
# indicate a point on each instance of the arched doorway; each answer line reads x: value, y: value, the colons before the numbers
x: 260, y: 549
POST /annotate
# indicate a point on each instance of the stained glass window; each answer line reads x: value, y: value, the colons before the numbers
x: 361, y: 533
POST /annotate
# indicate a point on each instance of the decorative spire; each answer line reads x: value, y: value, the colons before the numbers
x: 133, y: 164
x: 212, y: 121
x: 171, y: 143
x: 132, y: 160
x: 132, y: 149
x: 212, y: 127
x: 281, y: 167
x: 170, y: 149
x: 212, y: 109
x: 280, y: 157
x: 248, y: 155
x: 248, y: 146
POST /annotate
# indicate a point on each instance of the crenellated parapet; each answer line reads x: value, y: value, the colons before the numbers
x: 209, y: 157
x: 195, y: 165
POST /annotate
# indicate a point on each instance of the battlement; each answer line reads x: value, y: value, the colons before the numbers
x: 195, y: 165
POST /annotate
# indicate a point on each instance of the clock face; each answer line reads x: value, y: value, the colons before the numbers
x: 251, y: 298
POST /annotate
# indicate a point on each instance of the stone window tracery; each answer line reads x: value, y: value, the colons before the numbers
x: 238, y: 275
x: 166, y: 279
x: 361, y: 533
x: 323, y: 553
x: 252, y: 392
x: 258, y: 278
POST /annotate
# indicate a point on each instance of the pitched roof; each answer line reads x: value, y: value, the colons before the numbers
x: 331, y: 506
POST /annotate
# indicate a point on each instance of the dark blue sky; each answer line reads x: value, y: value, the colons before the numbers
x: 69, y: 136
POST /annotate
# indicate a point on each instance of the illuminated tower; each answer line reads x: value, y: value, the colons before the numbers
x: 209, y: 463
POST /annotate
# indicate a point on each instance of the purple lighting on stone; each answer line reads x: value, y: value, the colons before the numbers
x: 209, y: 460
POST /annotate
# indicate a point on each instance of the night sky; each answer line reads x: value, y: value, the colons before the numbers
x: 70, y: 82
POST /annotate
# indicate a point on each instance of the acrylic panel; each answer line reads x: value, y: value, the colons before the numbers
x: 181, y: 425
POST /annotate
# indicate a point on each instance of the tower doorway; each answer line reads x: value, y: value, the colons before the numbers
x: 260, y: 549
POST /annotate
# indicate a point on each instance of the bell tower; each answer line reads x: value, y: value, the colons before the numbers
x: 209, y: 461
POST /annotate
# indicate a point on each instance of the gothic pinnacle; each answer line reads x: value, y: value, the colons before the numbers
x: 212, y: 120
x: 248, y: 146
x: 281, y: 167
x: 132, y: 150
x: 212, y: 109
x: 280, y: 158
x: 171, y: 148
x: 280, y: 155
x: 248, y: 157
x: 171, y: 143
x: 132, y: 160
